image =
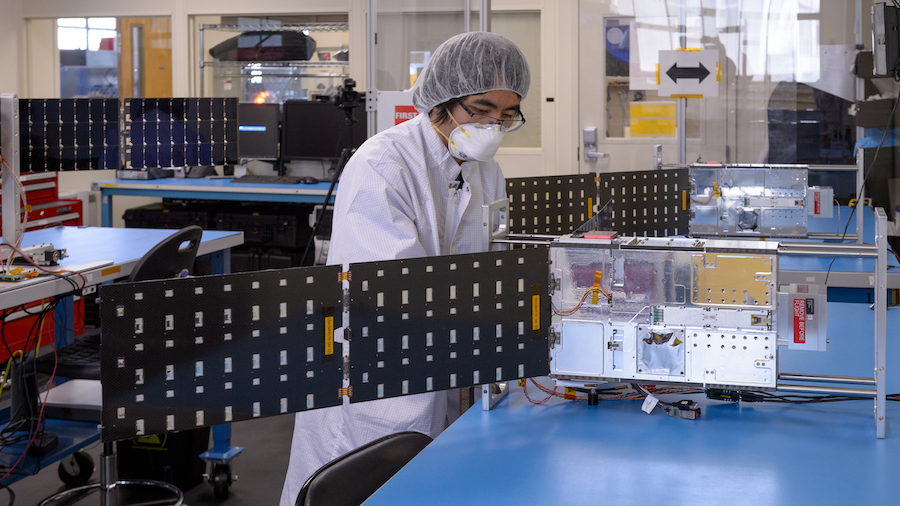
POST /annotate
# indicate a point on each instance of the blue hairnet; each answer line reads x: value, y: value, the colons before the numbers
x: 470, y: 64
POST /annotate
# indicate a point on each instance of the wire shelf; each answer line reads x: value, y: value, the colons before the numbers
x: 279, y: 64
x: 286, y: 27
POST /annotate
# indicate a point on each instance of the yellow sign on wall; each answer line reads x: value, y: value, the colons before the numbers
x: 653, y: 119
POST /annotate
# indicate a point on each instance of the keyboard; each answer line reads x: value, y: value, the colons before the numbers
x: 268, y: 179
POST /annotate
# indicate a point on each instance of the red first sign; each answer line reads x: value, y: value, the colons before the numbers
x: 404, y: 113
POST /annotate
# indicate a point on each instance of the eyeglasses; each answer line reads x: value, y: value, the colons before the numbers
x: 507, y: 125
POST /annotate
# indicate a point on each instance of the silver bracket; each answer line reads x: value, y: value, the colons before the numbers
x: 657, y: 157
x: 371, y: 100
x: 500, y: 208
x: 489, y: 398
x: 346, y: 303
x: 553, y: 284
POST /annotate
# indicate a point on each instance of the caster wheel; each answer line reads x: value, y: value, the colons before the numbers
x: 221, y: 480
x: 76, y: 469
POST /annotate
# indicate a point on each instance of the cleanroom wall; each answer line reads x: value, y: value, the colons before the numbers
x: 778, y: 60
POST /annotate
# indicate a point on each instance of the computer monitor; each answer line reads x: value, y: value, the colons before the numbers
x: 258, y: 132
x: 313, y: 130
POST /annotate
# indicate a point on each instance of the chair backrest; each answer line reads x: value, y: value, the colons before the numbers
x: 351, y: 478
x: 168, y: 259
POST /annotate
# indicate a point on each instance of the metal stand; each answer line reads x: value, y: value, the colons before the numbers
x: 9, y: 119
x: 109, y: 486
x: 878, y: 252
x: 219, y: 458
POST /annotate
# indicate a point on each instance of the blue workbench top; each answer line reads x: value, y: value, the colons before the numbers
x: 566, y: 452
x: 87, y: 245
x: 217, y: 185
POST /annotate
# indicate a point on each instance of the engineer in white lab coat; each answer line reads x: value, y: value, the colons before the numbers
x: 416, y: 190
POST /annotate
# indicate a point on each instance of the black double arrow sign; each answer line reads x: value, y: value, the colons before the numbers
x: 677, y: 72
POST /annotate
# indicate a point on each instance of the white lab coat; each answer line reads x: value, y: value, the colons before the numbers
x: 398, y: 198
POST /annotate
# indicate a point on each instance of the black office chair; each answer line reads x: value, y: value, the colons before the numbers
x: 351, y: 478
x: 165, y: 260
x: 168, y: 259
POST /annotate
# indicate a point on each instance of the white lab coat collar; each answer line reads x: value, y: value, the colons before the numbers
x: 439, y: 154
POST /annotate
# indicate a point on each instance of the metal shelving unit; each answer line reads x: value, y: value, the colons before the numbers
x: 282, y: 68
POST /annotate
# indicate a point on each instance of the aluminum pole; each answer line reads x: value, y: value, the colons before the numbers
x: 9, y: 129
x: 371, y: 87
x: 202, y: 70
x: 467, y: 16
x: 880, y: 322
x: 681, y: 103
x: 484, y: 17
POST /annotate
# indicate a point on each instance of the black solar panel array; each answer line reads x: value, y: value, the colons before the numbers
x: 436, y: 323
x: 646, y: 203
x: 179, y: 132
x: 193, y: 352
x: 552, y: 205
x: 68, y: 134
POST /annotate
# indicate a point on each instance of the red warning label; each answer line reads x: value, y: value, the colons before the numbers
x: 404, y: 113
x: 799, y: 321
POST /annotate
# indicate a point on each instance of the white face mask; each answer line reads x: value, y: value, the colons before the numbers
x: 474, y: 141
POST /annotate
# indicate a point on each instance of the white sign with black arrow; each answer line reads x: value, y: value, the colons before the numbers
x: 688, y: 73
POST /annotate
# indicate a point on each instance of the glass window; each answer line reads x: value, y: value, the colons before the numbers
x: 406, y: 40
x: 634, y: 109
x: 73, y: 22
x: 786, y: 91
x: 92, y: 65
x: 93, y: 34
x: 101, y: 40
x: 107, y: 23
x: 71, y: 38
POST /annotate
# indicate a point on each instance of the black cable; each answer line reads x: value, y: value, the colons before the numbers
x: 342, y: 162
x: 3, y: 317
x: 12, y: 495
x: 31, y: 426
x: 865, y: 179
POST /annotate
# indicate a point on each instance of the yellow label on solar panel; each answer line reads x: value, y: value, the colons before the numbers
x: 536, y: 312
x: 329, y: 335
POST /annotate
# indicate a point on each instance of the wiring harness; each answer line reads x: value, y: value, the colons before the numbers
x: 685, y: 408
